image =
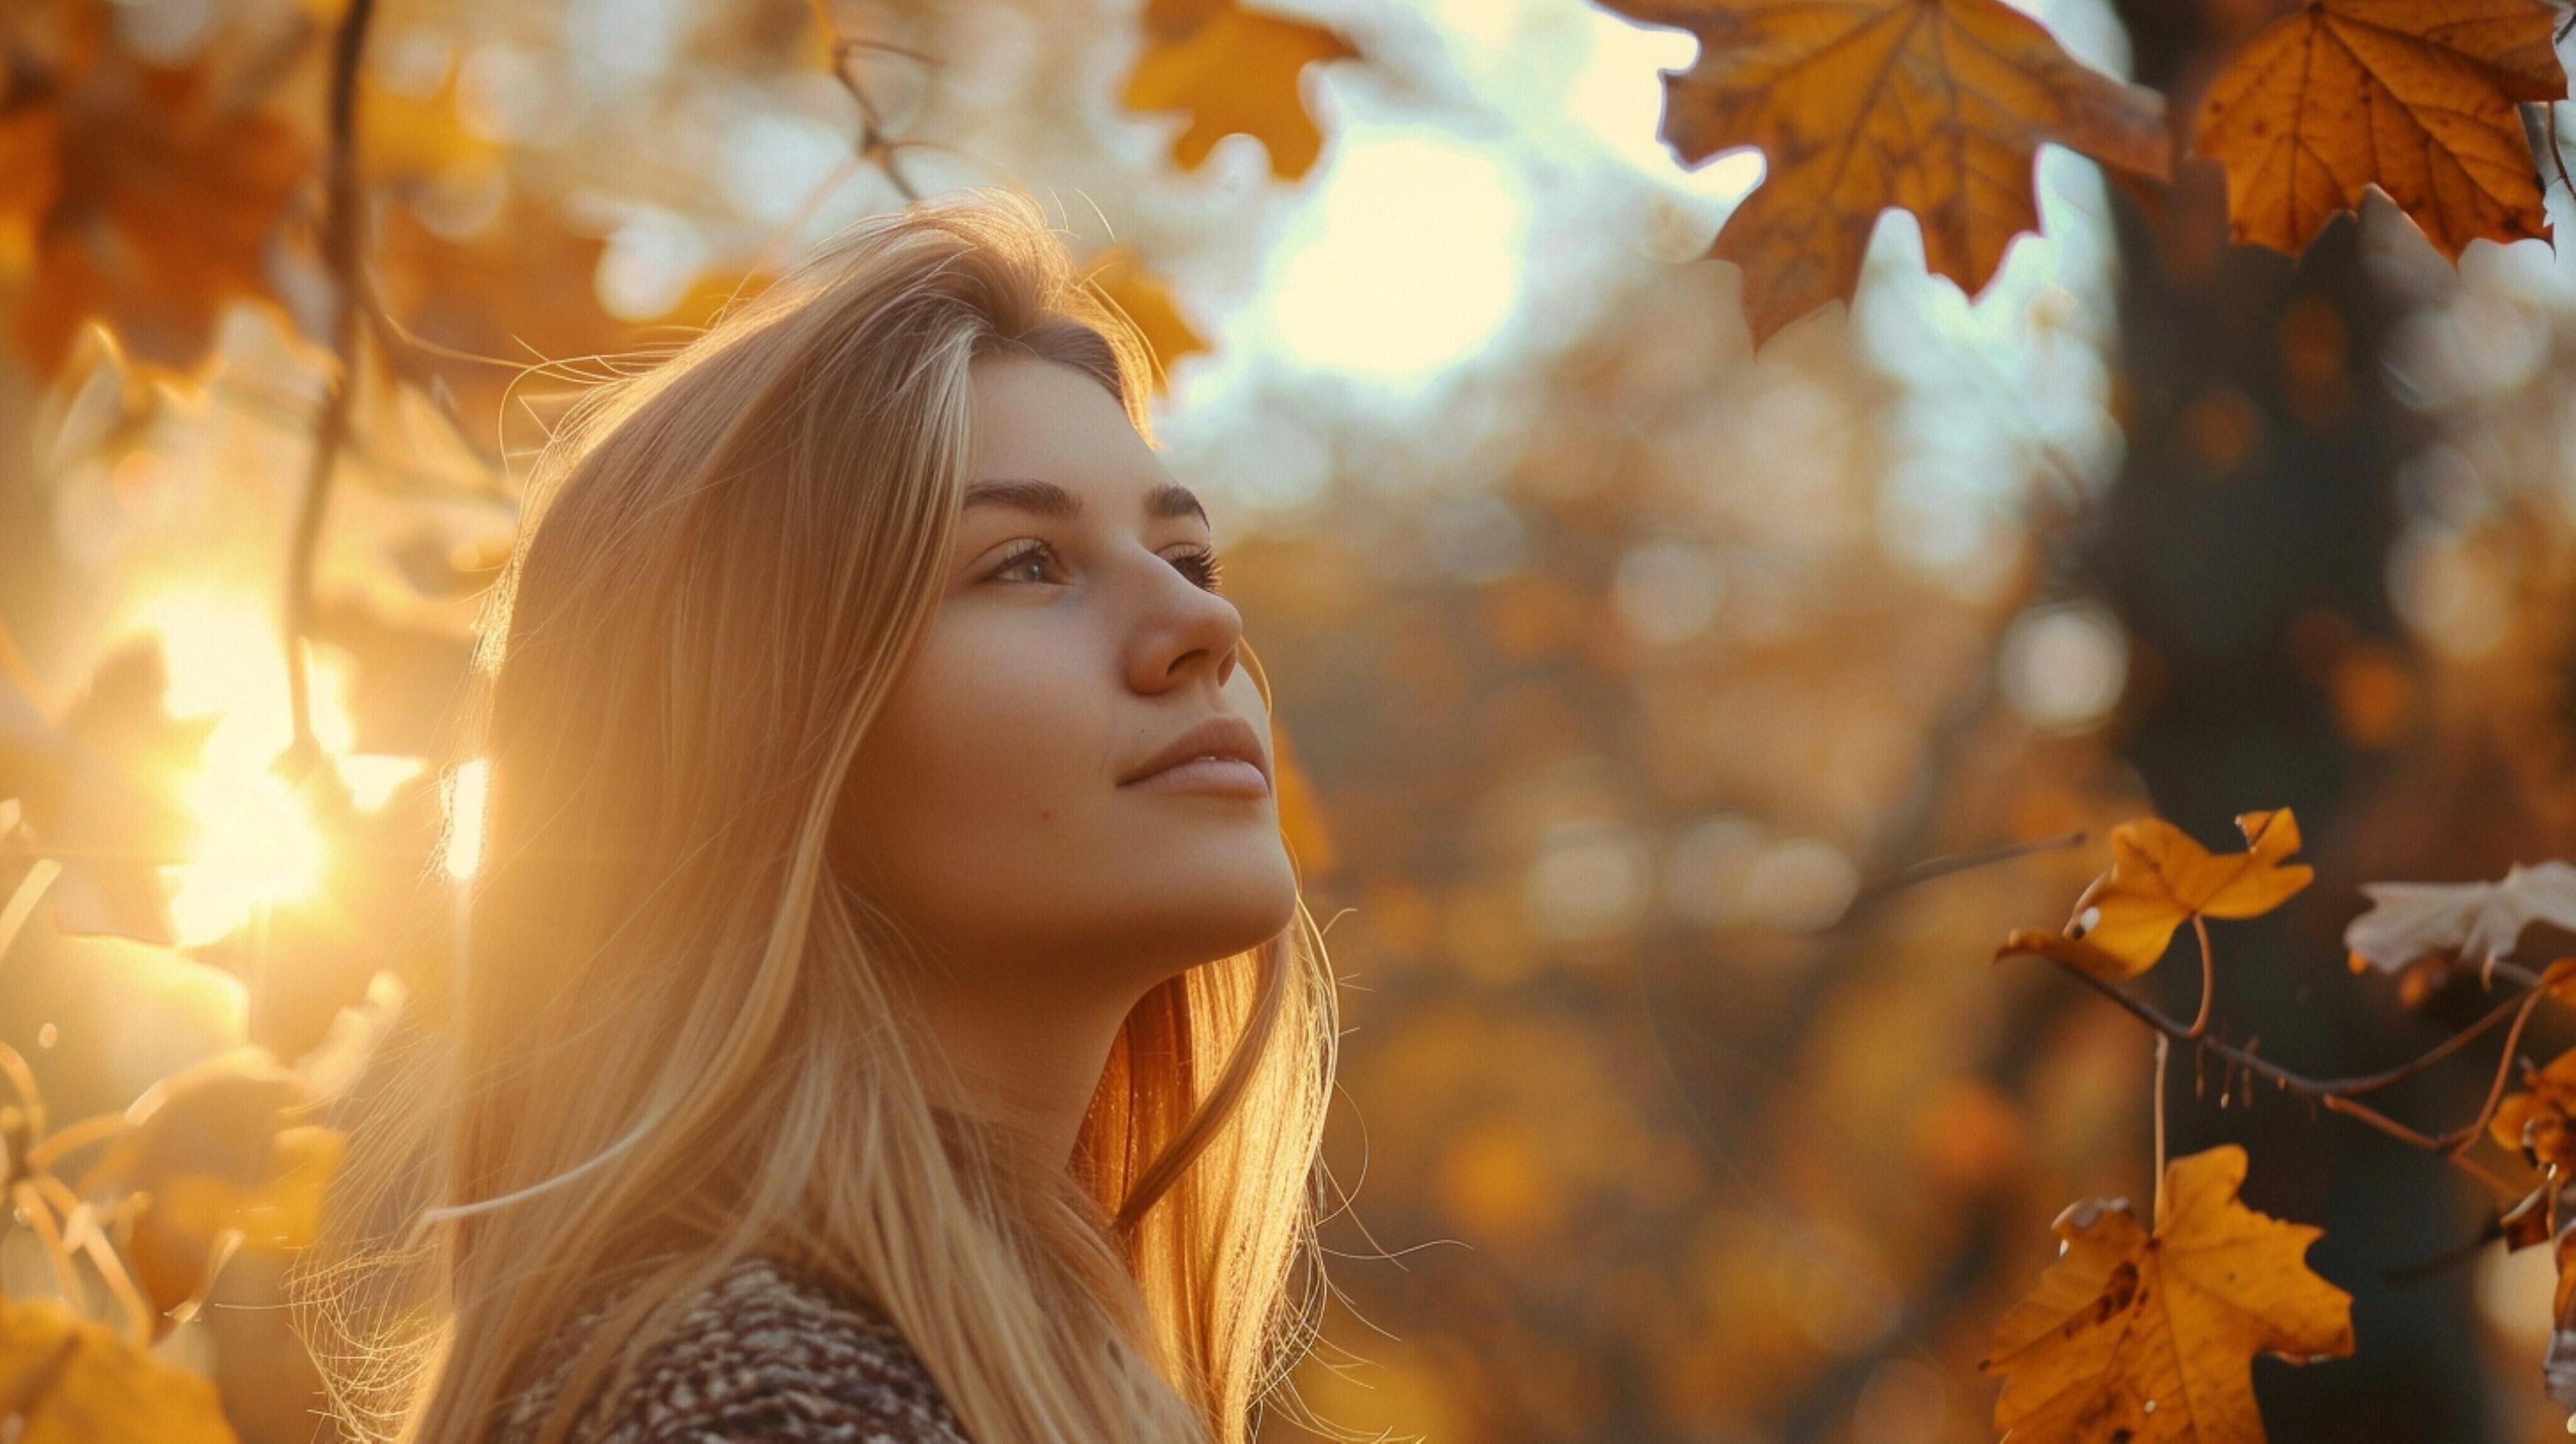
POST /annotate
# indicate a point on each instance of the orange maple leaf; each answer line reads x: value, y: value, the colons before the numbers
x: 2416, y: 97
x: 2534, y: 1123
x: 2145, y: 1337
x: 2160, y: 879
x: 1938, y: 106
x: 1232, y: 70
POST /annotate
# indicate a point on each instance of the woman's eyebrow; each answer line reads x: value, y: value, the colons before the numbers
x: 1170, y: 499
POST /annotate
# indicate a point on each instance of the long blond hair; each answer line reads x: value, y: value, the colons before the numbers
x: 675, y: 1035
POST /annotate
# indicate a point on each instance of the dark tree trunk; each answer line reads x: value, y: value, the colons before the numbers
x: 2252, y: 518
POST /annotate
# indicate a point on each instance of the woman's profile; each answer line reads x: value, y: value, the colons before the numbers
x: 885, y: 1007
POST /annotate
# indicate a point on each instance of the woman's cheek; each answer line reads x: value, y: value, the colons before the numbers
x: 1027, y: 733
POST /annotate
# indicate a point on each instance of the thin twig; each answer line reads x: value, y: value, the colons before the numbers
x: 39, y: 1216
x: 1932, y: 868
x: 2327, y: 1094
x: 89, y: 1239
x: 2461, y: 1140
x: 342, y: 220
x: 22, y: 1081
x: 875, y: 146
x: 2373, y: 1082
x: 2164, y: 1051
x: 72, y: 1137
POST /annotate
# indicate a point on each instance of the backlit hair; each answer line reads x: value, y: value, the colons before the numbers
x: 676, y: 1036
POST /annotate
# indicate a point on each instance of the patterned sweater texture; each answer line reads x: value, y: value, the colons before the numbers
x: 764, y: 1353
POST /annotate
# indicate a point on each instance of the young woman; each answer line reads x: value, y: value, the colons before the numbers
x: 886, y: 1008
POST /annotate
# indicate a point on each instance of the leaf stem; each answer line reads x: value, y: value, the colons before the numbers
x: 2208, y: 976
x: 2461, y: 1140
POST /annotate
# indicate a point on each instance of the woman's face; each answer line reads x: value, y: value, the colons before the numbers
x: 1074, y: 643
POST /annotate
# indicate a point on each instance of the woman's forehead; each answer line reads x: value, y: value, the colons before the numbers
x: 1028, y: 411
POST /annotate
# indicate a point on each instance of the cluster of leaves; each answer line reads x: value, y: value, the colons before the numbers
x: 212, y: 1160
x: 147, y: 198
x: 141, y: 201
x: 75, y: 250
x: 2148, y: 1332
x: 1940, y: 107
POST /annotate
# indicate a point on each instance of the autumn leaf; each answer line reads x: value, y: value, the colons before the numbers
x: 2533, y: 1122
x: 100, y: 791
x: 69, y: 1380
x: 211, y: 1151
x: 2473, y: 921
x: 2160, y: 879
x: 1233, y: 70
x: 2146, y: 1337
x: 2548, y: 1215
x: 1938, y: 106
x: 152, y: 214
x: 2416, y: 97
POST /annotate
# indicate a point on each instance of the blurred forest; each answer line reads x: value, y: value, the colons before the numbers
x: 1703, y: 632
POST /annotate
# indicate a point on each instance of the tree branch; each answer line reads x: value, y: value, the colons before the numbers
x: 2337, y: 1095
x: 341, y: 223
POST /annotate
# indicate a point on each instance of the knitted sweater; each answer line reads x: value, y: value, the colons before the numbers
x: 764, y: 1353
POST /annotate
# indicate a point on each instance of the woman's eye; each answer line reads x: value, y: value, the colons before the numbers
x: 1034, y: 555
x: 1199, y: 564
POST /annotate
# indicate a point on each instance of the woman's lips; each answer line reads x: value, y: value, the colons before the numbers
x: 1225, y: 776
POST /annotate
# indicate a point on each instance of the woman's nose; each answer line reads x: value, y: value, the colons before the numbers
x: 1185, y: 629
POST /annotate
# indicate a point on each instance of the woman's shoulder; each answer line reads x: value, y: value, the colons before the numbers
x: 768, y: 1352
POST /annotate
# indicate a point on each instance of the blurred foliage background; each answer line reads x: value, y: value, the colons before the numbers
x: 1624, y: 671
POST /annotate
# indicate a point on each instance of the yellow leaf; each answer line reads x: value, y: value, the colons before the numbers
x: 2152, y: 1337
x: 2160, y: 879
x: 1232, y: 70
x: 209, y: 1150
x: 1938, y: 106
x: 68, y: 1380
x: 2416, y: 97
x: 2534, y: 1122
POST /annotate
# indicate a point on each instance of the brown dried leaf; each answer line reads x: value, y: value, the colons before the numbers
x: 2415, y: 97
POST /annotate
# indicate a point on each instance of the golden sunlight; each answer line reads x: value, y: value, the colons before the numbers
x: 256, y: 842
x: 464, y: 794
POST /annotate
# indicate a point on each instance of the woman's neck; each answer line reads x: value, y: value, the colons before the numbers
x: 1032, y: 1066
